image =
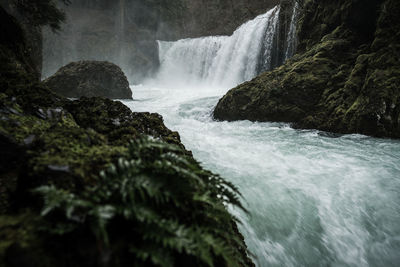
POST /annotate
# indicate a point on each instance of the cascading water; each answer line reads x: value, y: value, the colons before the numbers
x: 291, y: 42
x: 265, y: 60
x: 220, y: 60
x: 313, y: 199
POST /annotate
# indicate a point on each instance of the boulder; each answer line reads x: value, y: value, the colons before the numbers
x: 90, y: 79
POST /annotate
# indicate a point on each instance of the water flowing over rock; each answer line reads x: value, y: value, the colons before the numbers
x: 90, y: 78
x: 225, y: 61
x: 344, y: 78
x: 125, y: 31
x: 218, y: 60
x: 291, y: 42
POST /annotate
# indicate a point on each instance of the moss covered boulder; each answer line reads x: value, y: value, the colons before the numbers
x: 90, y: 79
x: 344, y: 78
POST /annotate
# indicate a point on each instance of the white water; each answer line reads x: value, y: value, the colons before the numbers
x: 314, y: 199
x: 219, y: 61
x: 292, y: 37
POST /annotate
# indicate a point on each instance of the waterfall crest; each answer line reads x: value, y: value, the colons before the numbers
x: 220, y: 61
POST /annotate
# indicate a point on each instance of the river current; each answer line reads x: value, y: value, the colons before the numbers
x: 314, y: 198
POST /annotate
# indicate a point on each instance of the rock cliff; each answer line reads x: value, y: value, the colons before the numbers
x: 345, y: 77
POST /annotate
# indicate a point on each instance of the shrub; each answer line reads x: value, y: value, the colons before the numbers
x: 159, y: 206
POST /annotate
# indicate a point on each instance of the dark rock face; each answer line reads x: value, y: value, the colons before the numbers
x: 90, y: 78
x: 124, y: 178
x: 345, y: 77
x: 33, y: 34
x: 210, y: 17
x: 125, y: 32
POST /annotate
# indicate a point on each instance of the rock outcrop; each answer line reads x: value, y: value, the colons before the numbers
x: 90, y: 183
x: 345, y: 77
x: 125, y: 31
x: 90, y: 79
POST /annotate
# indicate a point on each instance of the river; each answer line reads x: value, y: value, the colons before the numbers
x: 314, y: 198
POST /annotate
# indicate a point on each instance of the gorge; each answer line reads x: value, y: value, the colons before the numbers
x: 315, y: 198
x: 290, y: 103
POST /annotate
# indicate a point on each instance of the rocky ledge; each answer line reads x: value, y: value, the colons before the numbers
x: 345, y: 77
x: 90, y: 183
x: 90, y: 78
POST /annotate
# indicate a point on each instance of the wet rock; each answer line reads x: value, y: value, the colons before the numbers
x: 90, y: 78
x: 118, y: 122
x: 59, y: 168
x: 29, y: 140
x: 40, y: 113
x: 345, y: 77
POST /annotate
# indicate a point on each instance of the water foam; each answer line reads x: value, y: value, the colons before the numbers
x: 313, y: 200
x: 219, y: 61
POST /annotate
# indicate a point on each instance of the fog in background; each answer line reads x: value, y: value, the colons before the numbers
x: 125, y: 31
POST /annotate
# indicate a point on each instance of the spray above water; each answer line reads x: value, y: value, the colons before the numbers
x: 220, y: 61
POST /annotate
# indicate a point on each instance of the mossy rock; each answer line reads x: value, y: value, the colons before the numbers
x: 102, y: 171
x: 90, y: 78
x: 118, y: 122
x: 345, y: 77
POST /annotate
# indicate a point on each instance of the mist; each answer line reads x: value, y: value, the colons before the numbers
x: 125, y: 32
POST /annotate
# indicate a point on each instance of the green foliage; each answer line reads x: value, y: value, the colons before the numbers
x: 159, y: 204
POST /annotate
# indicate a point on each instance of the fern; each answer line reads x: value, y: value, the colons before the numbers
x: 164, y: 207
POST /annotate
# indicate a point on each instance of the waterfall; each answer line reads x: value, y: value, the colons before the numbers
x: 220, y: 61
x: 291, y: 36
x: 265, y: 61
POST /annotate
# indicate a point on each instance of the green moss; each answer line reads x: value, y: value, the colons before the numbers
x: 342, y: 79
x: 118, y: 122
x: 82, y: 151
x: 156, y: 207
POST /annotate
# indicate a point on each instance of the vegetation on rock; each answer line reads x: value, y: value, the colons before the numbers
x: 90, y: 78
x: 153, y: 204
x: 344, y: 78
x: 156, y: 207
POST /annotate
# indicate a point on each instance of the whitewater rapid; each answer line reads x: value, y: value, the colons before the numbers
x: 314, y: 198
x: 220, y: 61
